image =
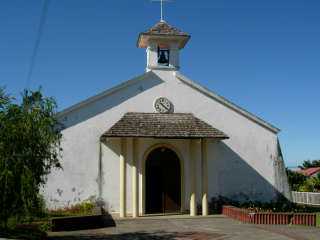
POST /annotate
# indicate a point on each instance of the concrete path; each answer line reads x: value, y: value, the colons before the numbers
x: 199, y: 228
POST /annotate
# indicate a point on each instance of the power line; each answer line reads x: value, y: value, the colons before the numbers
x: 43, y: 18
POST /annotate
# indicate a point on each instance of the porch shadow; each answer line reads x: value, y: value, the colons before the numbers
x: 159, y: 235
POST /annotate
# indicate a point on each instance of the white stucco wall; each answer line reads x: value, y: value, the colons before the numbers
x: 240, y: 167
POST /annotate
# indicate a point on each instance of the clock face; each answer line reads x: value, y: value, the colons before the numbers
x: 163, y: 105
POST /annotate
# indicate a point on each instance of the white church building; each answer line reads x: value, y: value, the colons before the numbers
x: 160, y: 143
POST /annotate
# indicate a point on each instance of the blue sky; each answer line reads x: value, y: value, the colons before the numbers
x: 262, y: 55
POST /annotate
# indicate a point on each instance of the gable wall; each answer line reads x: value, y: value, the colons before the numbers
x: 250, y: 151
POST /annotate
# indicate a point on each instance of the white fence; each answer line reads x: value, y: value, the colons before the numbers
x: 308, y: 198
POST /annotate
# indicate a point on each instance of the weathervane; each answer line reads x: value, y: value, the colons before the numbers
x: 161, y: 5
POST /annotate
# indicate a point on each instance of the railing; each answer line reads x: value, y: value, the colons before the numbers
x: 308, y: 198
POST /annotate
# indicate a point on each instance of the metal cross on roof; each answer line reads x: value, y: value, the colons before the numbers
x: 161, y: 7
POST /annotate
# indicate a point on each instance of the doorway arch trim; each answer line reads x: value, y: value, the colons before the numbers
x: 182, y: 170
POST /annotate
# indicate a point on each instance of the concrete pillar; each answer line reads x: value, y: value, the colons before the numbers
x: 192, y: 174
x: 204, y: 171
x: 122, y: 160
x: 135, y: 191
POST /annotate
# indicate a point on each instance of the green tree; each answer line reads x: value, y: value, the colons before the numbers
x: 316, y: 183
x: 307, y: 186
x: 308, y: 164
x: 312, y: 184
x: 29, y: 149
x: 295, y: 179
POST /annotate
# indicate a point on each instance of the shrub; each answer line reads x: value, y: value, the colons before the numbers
x: 83, y: 208
x: 279, y: 205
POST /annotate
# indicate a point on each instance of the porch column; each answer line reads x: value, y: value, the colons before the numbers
x: 135, y: 206
x: 122, y: 161
x: 204, y: 171
x: 192, y: 169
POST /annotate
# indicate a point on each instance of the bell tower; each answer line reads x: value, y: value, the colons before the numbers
x: 163, y: 43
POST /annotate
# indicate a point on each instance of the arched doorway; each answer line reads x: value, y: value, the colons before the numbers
x: 163, y: 181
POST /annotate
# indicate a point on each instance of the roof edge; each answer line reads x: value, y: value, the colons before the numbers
x: 182, y: 43
x: 102, y: 137
x: 113, y: 131
x: 105, y: 93
x: 228, y: 103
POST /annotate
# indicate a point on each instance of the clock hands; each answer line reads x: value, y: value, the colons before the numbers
x: 164, y: 106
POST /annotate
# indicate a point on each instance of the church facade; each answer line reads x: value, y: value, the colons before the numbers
x: 161, y: 143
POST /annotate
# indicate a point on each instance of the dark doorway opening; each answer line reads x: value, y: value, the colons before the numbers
x: 163, y: 182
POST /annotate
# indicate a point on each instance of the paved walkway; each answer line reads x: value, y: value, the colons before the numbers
x: 214, y: 227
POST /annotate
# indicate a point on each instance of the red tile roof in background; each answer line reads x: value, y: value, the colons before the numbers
x: 310, y: 171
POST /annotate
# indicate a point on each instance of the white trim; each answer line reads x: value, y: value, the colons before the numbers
x: 166, y: 68
x: 103, y: 94
x: 227, y: 103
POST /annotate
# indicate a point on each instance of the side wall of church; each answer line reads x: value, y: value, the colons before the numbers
x: 240, y: 167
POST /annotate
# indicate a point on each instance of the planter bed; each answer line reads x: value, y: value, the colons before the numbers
x: 247, y: 216
x: 82, y: 222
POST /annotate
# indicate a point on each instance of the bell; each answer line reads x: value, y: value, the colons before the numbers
x: 163, y: 58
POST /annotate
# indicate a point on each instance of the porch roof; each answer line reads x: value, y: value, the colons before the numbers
x: 157, y: 125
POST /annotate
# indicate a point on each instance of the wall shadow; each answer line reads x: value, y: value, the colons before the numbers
x: 238, y: 180
x: 117, y: 95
